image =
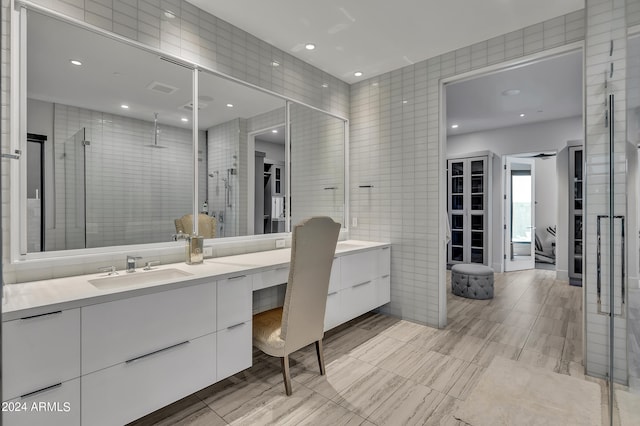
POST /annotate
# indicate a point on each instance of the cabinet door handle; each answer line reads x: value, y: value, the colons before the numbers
x: 48, y: 388
x: 385, y: 276
x: 41, y: 315
x: 236, y: 277
x: 138, y: 358
x: 386, y: 248
x: 332, y: 293
x: 361, y: 284
x: 231, y: 327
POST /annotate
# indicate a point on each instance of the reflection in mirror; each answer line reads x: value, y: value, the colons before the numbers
x: 317, y: 158
x: 230, y: 113
x: 117, y: 159
x: 270, y: 181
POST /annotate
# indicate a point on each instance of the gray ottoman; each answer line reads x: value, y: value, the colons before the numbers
x: 473, y: 281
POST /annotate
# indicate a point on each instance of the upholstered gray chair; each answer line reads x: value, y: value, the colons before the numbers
x: 300, y: 322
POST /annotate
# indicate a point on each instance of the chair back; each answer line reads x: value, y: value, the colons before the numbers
x: 312, y: 250
x: 206, y: 225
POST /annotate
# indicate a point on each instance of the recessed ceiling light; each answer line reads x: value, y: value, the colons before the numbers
x: 275, y: 64
x: 325, y: 85
x: 169, y: 14
x: 358, y: 73
x: 511, y: 92
x: 229, y: 105
x: 124, y: 106
x: 75, y: 62
x: 185, y: 119
x: 455, y: 126
x: 309, y: 46
x: 522, y: 115
x: 404, y: 102
x: 274, y: 131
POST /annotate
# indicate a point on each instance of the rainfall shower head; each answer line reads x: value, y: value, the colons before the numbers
x: 156, y: 130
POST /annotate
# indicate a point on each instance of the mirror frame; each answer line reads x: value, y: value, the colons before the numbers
x: 18, y: 141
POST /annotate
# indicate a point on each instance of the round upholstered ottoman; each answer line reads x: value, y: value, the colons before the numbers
x: 473, y: 281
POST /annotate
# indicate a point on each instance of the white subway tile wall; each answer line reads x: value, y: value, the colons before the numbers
x: 394, y: 146
x: 606, y: 21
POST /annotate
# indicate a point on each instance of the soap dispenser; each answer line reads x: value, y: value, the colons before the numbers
x: 194, y: 250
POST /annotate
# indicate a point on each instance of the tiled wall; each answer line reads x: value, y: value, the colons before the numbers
x: 317, y: 165
x: 395, y: 146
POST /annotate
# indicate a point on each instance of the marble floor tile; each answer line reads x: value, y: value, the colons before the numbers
x: 520, y: 320
x: 466, y: 382
x: 457, y: 345
x: 572, y: 350
x: 331, y: 414
x: 403, y: 330
x: 440, y: 372
x: 376, y: 322
x: 537, y: 359
x: 340, y: 374
x: 404, y: 362
x: 492, y: 349
x: 189, y: 411
x: 232, y: 395
x: 443, y: 415
x: 546, y: 344
x: 410, y: 404
x: 574, y: 330
x: 479, y: 328
x: 377, y: 349
x: 512, y: 336
x: 551, y: 326
x: 525, y: 306
x: 494, y: 314
x: 367, y: 393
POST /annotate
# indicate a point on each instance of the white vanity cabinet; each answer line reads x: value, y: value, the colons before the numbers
x: 41, y: 360
x: 234, y: 312
x: 142, y: 353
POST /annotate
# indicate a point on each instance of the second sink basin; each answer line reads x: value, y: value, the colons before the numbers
x: 137, y: 278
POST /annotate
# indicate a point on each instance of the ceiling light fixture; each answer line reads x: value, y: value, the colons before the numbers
x: 229, y: 105
x: 455, y: 126
x: 511, y: 92
x: 309, y: 46
x: 75, y: 62
x: 169, y: 14
x: 275, y: 64
x: 185, y: 119
x: 522, y: 114
x: 404, y: 102
x: 274, y: 131
x: 358, y: 73
x: 325, y: 85
x: 124, y: 106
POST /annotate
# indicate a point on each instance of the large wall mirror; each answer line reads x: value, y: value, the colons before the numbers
x: 110, y: 147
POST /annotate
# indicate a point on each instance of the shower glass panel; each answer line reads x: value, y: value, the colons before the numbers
x: 317, y: 165
x: 73, y: 196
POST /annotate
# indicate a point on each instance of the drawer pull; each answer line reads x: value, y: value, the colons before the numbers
x: 386, y: 248
x: 236, y: 277
x: 231, y: 327
x: 332, y: 293
x: 41, y: 315
x: 282, y: 268
x: 361, y: 284
x: 138, y: 358
x: 385, y: 276
x: 27, y: 395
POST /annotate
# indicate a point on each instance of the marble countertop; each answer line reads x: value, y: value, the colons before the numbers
x: 41, y: 297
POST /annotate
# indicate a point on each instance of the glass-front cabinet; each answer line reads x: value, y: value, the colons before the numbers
x: 467, y: 209
x: 575, y: 214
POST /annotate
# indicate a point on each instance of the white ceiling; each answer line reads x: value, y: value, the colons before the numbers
x: 549, y: 89
x: 377, y: 36
x: 114, y: 73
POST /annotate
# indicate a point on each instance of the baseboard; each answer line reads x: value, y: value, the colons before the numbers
x: 562, y: 275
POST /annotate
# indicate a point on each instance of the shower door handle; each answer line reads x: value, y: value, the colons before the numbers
x: 599, y: 266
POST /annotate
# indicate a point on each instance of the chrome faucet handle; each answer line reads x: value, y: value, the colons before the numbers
x: 150, y: 263
x: 110, y: 269
x: 180, y: 236
x: 131, y: 263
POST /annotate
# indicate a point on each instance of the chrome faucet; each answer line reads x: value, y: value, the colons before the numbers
x: 131, y: 263
x: 111, y: 270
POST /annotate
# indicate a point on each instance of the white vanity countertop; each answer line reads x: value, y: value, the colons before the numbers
x: 40, y: 297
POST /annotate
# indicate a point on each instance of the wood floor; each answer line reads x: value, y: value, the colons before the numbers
x: 385, y: 371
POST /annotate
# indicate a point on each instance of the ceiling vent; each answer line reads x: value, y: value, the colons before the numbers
x: 189, y: 106
x: 163, y: 88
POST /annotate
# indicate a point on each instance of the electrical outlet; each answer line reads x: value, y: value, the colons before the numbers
x: 280, y: 243
x: 207, y: 251
x: 354, y: 222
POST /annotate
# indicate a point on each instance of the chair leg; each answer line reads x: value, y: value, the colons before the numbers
x: 286, y: 375
x: 320, y: 353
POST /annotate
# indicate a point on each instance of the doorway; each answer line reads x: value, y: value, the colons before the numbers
x: 519, y: 213
x: 35, y: 192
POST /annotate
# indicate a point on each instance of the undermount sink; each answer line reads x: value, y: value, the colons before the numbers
x: 137, y: 278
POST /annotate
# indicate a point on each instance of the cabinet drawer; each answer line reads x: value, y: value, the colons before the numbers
x: 57, y: 405
x: 384, y: 289
x: 333, y: 315
x: 384, y: 261
x: 40, y: 351
x: 234, y: 301
x: 234, y: 349
x: 271, y: 278
x: 358, y: 268
x: 116, y: 331
x: 334, y: 281
x: 127, y: 391
x: 359, y: 299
